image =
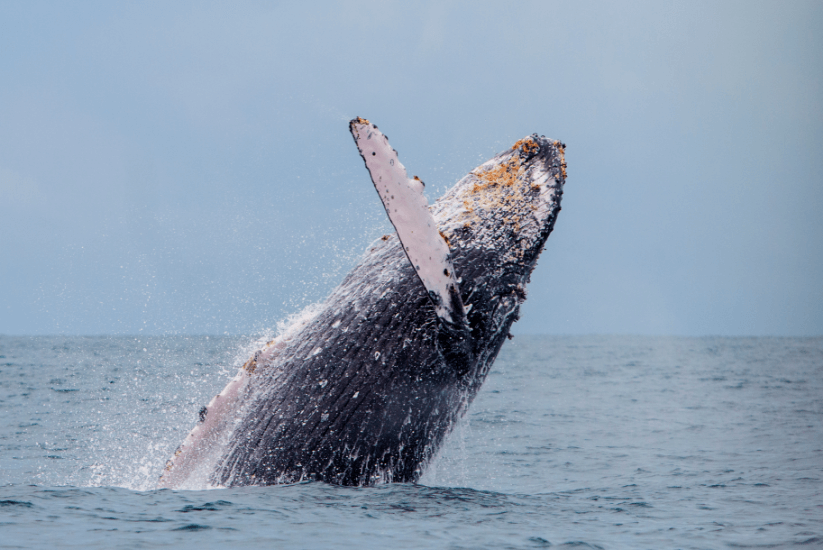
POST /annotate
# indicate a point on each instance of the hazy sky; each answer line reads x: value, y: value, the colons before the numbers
x: 186, y: 167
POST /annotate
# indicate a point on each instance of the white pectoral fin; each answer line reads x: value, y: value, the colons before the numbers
x: 408, y: 211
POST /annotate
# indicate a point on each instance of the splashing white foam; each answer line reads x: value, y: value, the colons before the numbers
x: 294, y: 323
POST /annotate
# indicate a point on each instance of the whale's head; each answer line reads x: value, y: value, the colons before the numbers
x: 507, y: 204
x: 496, y: 221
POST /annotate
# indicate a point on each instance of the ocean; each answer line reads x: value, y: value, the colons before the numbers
x: 574, y: 442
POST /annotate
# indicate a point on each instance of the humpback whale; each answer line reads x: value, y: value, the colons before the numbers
x: 365, y: 387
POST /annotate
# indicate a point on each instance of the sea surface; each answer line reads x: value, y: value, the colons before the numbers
x: 574, y: 442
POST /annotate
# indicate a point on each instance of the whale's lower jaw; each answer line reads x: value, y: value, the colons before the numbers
x: 363, y: 397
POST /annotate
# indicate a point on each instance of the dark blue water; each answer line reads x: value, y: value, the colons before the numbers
x: 584, y: 442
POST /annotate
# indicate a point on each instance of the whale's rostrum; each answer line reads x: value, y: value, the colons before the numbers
x: 364, y: 388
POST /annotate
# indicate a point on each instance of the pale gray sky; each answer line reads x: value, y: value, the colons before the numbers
x: 186, y: 167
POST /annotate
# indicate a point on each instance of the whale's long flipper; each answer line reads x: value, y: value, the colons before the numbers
x: 423, y: 243
x: 408, y: 211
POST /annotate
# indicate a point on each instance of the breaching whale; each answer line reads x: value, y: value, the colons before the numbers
x: 367, y: 386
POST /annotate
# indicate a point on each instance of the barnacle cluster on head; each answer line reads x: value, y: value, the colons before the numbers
x: 505, y: 203
x: 526, y: 145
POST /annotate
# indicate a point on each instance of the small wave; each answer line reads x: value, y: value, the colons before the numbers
x: 19, y: 503
x: 192, y: 527
x: 207, y: 507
